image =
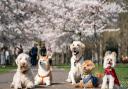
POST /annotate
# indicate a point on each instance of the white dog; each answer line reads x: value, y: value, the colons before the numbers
x: 44, y: 75
x: 23, y: 78
x: 77, y: 49
x: 110, y: 75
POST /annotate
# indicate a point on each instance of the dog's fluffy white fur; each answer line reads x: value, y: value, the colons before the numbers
x: 44, y: 75
x: 109, y: 61
x: 77, y: 48
x: 23, y: 78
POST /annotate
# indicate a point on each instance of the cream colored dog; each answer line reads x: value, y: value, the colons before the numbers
x: 44, y: 75
x: 77, y: 49
x: 23, y: 77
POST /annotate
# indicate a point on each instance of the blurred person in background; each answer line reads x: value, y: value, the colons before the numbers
x: 2, y: 56
x: 33, y: 54
x: 7, y: 56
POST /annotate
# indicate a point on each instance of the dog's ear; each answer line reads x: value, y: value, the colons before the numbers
x: 71, y: 46
x: 83, y: 45
x: 114, y: 58
x: 113, y: 53
x: 28, y: 59
x: 107, y: 53
x: 17, y: 59
x: 93, y: 65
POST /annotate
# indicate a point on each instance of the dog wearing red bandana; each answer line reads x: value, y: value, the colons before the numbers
x: 110, y: 80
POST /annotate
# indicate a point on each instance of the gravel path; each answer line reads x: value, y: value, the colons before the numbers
x: 59, y: 76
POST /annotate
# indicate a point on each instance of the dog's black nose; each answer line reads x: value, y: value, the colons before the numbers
x: 74, y: 48
x: 23, y: 64
x: 84, y: 68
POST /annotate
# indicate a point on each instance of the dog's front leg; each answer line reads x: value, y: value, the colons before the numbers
x: 12, y: 84
x: 38, y: 80
x: 104, y: 84
x: 18, y: 85
x: 29, y: 85
x: 73, y: 78
x: 111, y: 82
x: 47, y: 81
x: 69, y: 77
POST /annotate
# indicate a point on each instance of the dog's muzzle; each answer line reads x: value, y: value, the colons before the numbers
x: 75, y: 51
x: 24, y: 68
x: 43, y: 65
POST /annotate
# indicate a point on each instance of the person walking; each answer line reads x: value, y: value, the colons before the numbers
x: 7, y: 56
x: 43, y: 50
x: 2, y: 57
x: 33, y: 54
x: 18, y: 50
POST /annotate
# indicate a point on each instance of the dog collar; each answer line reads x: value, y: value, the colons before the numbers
x: 81, y: 58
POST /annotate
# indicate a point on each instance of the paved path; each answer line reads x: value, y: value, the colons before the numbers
x: 59, y: 76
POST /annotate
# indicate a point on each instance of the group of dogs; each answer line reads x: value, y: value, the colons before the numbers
x: 80, y: 74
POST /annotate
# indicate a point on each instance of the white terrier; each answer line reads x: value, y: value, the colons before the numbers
x: 23, y: 77
x: 110, y: 74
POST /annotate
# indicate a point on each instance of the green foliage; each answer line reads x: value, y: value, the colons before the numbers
x: 6, y: 69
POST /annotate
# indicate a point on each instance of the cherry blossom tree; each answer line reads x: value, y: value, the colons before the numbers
x: 58, y: 22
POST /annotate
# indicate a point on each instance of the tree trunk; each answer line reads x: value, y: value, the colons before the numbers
x: 101, y: 52
x: 62, y: 57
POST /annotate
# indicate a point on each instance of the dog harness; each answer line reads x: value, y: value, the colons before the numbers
x: 111, y: 71
x: 90, y: 77
x: 44, y: 77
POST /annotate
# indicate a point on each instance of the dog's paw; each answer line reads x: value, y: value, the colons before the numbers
x: 17, y: 87
x: 48, y: 83
x: 12, y: 86
x: 30, y: 86
x: 68, y: 80
x: 73, y: 83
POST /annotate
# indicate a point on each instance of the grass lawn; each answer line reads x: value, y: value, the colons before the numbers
x: 6, y: 69
x: 121, y: 70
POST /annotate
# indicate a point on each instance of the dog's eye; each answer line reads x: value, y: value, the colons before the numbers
x: 88, y: 65
x: 78, y: 45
